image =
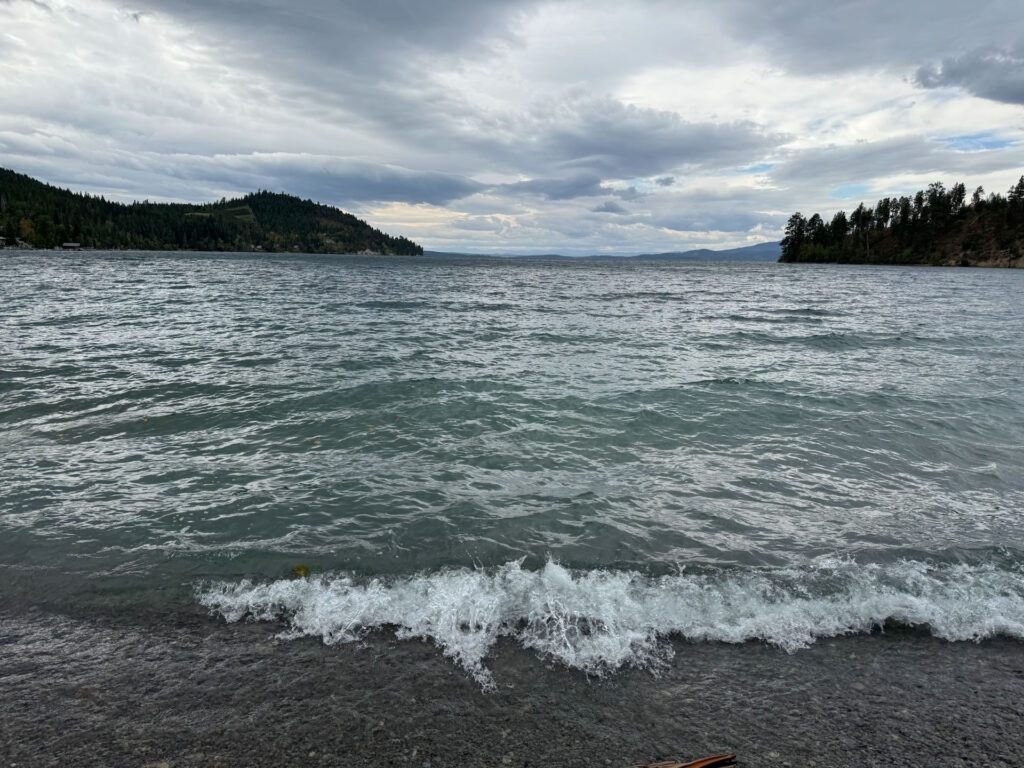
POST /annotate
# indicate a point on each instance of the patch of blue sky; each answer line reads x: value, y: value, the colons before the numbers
x: 753, y: 169
x: 849, y: 190
x: 975, y: 142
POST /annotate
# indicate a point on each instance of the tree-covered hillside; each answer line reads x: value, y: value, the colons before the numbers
x: 45, y: 217
x: 936, y: 226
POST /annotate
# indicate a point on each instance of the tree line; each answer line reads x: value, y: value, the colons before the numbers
x: 43, y: 216
x: 937, y: 225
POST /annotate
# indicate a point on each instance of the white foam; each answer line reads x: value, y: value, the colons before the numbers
x: 599, y: 620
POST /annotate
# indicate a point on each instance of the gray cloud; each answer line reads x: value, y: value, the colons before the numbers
x: 872, y: 34
x: 621, y: 141
x: 829, y: 167
x: 716, y: 221
x: 565, y: 188
x: 486, y: 107
x: 479, y: 224
x: 338, y: 181
x: 195, y: 177
x: 368, y: 31
x: 996, y: 75
x: 610, y: 206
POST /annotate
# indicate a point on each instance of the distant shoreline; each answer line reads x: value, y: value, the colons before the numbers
x: 762, y: 252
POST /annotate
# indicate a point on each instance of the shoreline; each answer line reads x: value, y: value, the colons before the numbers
x: 189, y: 690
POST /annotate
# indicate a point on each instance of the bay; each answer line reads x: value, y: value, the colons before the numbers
x: 718, y: 450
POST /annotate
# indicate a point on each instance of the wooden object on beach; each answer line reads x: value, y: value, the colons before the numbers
x: 718, y: 761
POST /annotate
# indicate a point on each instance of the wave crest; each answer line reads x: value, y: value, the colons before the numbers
x: 599, y: 621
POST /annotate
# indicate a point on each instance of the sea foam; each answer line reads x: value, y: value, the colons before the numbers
x: 599, y: 621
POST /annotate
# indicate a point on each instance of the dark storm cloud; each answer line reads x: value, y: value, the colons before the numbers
x: 996, y: 75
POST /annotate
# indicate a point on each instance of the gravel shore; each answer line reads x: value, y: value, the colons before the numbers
x: 188, y: 690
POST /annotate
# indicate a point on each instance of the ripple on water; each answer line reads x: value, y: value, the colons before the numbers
x: 396, y: 415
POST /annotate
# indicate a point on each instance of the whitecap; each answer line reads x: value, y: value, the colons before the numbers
x: 599, y: 621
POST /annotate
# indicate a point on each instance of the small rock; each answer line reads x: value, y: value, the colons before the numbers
x: 858, y: 686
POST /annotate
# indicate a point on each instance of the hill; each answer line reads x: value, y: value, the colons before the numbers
x: 937, y: 227
x: 759, y: 252
x: 45, y: 217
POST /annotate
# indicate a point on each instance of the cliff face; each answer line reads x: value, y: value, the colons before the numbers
x: 45, y: 217
x: 938, y: 228
x: 986, y: 238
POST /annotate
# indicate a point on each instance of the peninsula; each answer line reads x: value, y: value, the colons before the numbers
x: 43, y: 216
x: 937, y: 227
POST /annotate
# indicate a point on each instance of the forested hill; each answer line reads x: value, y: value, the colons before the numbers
x: 937, y: 226
x: 44, y: 216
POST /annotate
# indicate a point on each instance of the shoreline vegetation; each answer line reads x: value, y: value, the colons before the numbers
x: 935, y: 227
x: 38, y: 215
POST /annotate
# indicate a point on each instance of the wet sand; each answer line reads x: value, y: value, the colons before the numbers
x: 187, y: 690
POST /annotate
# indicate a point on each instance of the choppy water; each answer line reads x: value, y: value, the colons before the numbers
x: 584, y: 455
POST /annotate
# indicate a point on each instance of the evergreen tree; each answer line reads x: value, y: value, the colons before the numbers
x: 796, y: 234
x: 46, y: 216
x: 935, y: 226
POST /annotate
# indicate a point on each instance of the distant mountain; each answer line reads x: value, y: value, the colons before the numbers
x: 759, y: 252
x: 44, y: 216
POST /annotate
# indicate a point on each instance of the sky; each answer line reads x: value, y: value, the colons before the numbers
x: 515, y: 126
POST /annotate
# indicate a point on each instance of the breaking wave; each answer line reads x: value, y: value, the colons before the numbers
x: 598, y: 621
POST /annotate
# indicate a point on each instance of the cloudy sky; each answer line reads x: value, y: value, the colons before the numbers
x: 518, y: 126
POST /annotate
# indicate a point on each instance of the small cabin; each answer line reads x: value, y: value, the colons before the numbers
x: 71, y: 246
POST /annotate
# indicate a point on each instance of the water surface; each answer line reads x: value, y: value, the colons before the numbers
x: 585, y: 455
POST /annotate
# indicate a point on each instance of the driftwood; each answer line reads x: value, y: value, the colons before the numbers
x: 718, y: 761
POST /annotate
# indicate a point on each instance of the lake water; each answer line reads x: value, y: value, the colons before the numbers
x: 588, y: 457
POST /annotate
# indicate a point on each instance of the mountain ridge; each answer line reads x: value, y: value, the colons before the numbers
x: 769, y: 251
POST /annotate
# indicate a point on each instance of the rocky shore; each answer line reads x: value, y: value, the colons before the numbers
x: 185, y: 690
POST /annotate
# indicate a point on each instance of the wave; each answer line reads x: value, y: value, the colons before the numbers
x: 599, y: 621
